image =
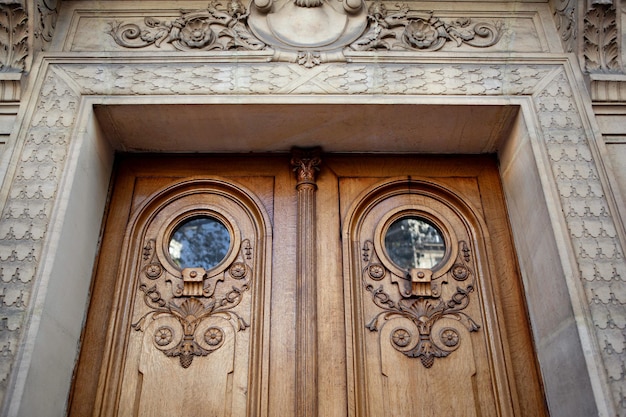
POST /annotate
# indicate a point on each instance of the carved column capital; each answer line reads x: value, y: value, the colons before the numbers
x: 26, y: 26
x: 601, y: 38
x: 305, y: 163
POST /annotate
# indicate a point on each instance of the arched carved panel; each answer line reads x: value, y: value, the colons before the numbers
x: 195, y: 329
x: 428, y: 330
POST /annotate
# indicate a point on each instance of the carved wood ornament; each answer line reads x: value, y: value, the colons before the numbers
x: 421, y: 303
x: 193, y: 300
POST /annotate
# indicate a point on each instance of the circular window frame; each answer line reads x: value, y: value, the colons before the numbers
x: 175, y: 221
x: 413, y: 211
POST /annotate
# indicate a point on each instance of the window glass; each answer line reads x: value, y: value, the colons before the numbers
x: 414, y: 242
x: 200, y: 242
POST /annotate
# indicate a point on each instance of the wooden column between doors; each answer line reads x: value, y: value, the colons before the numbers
x: 306, y: 164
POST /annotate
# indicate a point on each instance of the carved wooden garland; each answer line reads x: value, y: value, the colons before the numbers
x: 192, y: 310
x: 422, y: 311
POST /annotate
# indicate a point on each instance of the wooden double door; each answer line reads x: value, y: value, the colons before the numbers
x: 306, y: 285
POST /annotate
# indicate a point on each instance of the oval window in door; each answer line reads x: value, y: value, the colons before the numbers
x: 414, y: 242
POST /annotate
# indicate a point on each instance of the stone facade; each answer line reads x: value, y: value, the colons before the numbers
x: 561, y: 63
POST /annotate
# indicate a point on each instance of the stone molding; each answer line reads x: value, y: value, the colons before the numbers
x: 595, y: 231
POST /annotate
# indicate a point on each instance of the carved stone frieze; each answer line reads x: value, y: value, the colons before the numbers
x: 288, y: 27
x: 207, y: 29
x: 601, y: 37
x: 403, y: 29
x: 423, y: 311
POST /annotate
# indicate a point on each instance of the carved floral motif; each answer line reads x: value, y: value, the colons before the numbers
x: 423, y: 311
x: 206, y: 29
x: 405, y: 30
x: 192, y: 311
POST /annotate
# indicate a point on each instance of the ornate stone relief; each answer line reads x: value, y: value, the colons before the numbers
x: 566, y: 23
x: 27, y: 211
x: 601, y: 48
x: 207, y: 29
x: 190, y: 307
x: 592, y: 231
x: 422, y: 308
x: 291, y: 29
x: 14, y: 48
x: 33, y: 188
x: 48, y: 11
x: 405, y: 30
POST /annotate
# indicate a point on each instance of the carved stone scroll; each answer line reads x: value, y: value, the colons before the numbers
x: 306, y: 164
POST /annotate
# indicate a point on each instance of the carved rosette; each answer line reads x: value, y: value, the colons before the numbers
x: 191, y: 312
x: 420, y: 340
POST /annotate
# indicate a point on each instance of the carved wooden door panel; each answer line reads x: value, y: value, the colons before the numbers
x: 435, y: 321
x: 182, y: 289
x: 387, y: 285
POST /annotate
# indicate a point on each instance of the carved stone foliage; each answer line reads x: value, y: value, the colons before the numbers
x: 191, y: 312
x: 270, y: 25
x: 13, y: 38
x: 565, y: 18
x: 592, y: 230
x: 405, y: 30
x: 601, y: 48
x: 206, y: 29
x: 419, y: 341
x: 33, y: 187
x: 26, y: 214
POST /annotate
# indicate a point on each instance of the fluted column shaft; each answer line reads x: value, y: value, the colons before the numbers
x: 306, y: 164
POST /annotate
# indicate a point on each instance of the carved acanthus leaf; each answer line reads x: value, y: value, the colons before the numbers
x: 601, y: 50
x: 13, y: 38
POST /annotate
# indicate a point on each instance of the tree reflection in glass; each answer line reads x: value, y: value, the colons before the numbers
x: 414, y: 242
x: 201, y: 242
